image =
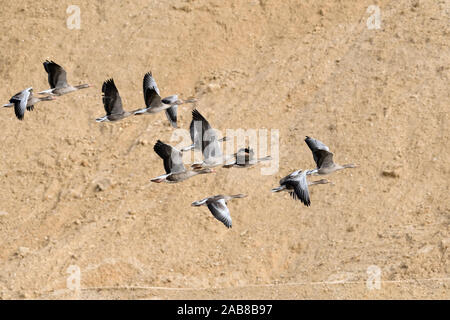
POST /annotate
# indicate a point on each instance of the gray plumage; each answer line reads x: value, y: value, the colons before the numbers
x: 297, y: 186
x: 25, y: 100
x: 217, y: 205
x: 57, y: 79
x: 154, y: 103
x: 20, y: 101
x: 204, y: 138
x: 173, y: 164
x: 172, y: 158
x: 244, y: 158
x: 112, y: 102
x: 323, y: 158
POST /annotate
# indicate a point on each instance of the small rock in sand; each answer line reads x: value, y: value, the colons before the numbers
x: 22, y: 251
x: 390, y: 173
x: 102, y: 184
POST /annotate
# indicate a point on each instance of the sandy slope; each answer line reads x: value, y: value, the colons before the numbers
x: 378, y: 98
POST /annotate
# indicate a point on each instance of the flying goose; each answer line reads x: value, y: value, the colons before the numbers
x: 218, y: 207
x: 173, y: 164
x: 297, y: 186
x: 323, y: 158
x: 196, y: 131
x: 57, y: 79
x: 155, y: 104
x: 204, y: 138
x: 25, y: 100
x: 245, y: 157
x: 112, y: 103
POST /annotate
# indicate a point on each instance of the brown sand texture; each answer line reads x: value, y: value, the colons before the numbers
x: 76, y: 194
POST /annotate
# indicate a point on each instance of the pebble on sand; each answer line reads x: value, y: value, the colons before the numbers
x: 22, y: 251
x: 102, y: 184
x: 391, y: 173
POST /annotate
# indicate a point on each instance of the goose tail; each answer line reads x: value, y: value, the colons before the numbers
x: 102, y: 119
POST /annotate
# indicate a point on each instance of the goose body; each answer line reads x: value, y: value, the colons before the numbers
x: 245, y: 158
x: 204, y: 138
x: 196, y: 131
x: 297, y: 186
x: 154, y: 103
x: 173, y: 164
x: 324, y: 158
x: 217, y: 205
x: 57, y: 79
x: 112, y: 103
x: 25, y: 100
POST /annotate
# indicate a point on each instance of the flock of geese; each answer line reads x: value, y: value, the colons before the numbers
x: 203, y: 138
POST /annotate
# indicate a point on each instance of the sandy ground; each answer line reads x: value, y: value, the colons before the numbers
x: 378, y: 98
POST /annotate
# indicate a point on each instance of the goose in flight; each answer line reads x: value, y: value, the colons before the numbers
x: 173, y: 164
x: 196, y: 130
x: 297, y: 186
x: 57, y: 79
x: 155, y: 104
x: 218, y: 207
x: 323, y: 158
x: 204, y: 138
x: 25, y: 100
x: 112, y: 103
x: 245, y: 157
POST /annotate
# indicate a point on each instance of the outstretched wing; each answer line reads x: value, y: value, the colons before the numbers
x: 315, y: 144
x: 290, y: 176
x: 151, y: 91
x: 111, y: 98
x: 210, y: 144
x: 321, y: 153
x: 57, y: 77
x: 195, y: 129
x: 300, y: 188
x: 324, y: 159
x: 196, y: 116
x: 220, y: 211
x: 172, y: 158
x: 171, y: 114
x: 20, y: 101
